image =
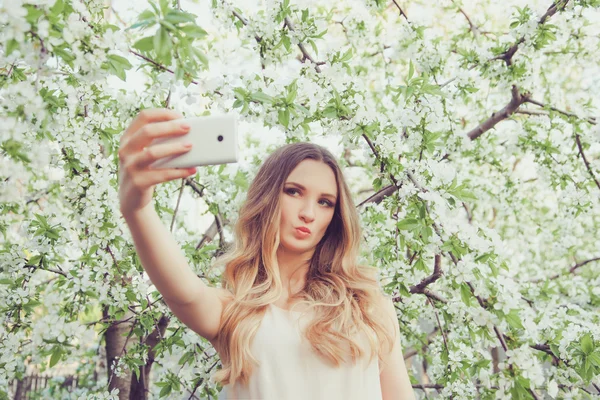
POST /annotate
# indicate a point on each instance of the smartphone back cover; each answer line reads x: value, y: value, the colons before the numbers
x: 214, y: 140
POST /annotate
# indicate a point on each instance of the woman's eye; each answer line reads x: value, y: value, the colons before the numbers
x: 292, y: 191
x: 327, y: 203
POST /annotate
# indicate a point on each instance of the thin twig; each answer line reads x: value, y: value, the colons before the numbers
x: 591, y: 120
x: 178, y: 202
x: 307, y: 56
x: 570, y: 271
x: 402, y: 13
x: 585, y: 161
x: 156, y: 64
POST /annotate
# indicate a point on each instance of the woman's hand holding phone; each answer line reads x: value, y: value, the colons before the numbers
x: 136, y: 179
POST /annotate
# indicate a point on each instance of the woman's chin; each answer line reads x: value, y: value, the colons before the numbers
x: 294, y: 247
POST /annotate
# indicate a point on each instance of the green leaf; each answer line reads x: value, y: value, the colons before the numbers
x: 284, y: 117
x: 595, y: 358
x: 169, y: 26
x: 193, y: 31
x: 462, y: 194
x: 30, y: 305
x: 117, y: 70
x: 177, y: 16
x: 11, y: 46
x: 465, y: 293
x: 587, y: 345
x: 145, y: 24
x: 145, y: 44
x: 377, y: 184
x: 420, y: 265
x: 164, y: 6
x: 165, y: 391
x: 555, y: 349
x: 187, y: 357
x: 56, y: 354
x: 411, y: 70
x: 120, y: 60
x: 314, y: 46
x: 330, y: 112
x: 57, y: 8
x: 514, y: 320
x: 408, y: 224
x: 403, y: 289
x: 35, y: 260
x: 154, y: 7
x: 200, y: 56
x: 33, y: 14
x: 131, y: 296
x: 67, y: 56
x: 162, y: 42
x: 262, y: 97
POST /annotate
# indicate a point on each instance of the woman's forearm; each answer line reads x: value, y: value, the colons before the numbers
x: 162, y: 257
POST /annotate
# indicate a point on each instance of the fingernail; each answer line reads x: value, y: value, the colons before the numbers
x: 184, y: 126
x: 187, y: 145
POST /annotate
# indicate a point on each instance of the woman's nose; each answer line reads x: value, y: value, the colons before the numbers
x: 307, y: 213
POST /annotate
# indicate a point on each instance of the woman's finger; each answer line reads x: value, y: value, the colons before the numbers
x: 148, y: 116
x: 155, y: 176
x: 147, y: 133
x: 152, y: 153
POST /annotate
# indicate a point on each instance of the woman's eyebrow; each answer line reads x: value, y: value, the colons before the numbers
x: 303, y: 188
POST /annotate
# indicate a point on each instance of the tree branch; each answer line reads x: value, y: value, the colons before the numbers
x: 508, y: 54
x: 307, y: 56
x: 590, y: 120
x: 514, y: 103
x: 474, y: 28
x: 211, y: 232
x: 45, y: 269
x: 380, y: 195
x: 552, y: 10
x: 245, y: 22
x: 437, y: 273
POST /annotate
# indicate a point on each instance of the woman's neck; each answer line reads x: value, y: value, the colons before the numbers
x: 293, y: 269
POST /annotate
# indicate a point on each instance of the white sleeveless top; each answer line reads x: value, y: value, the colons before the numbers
x: 290, y: 370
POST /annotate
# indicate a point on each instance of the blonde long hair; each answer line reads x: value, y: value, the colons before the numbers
x: 345, y: 297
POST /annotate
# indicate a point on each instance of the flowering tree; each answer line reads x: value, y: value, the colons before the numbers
x: 466, y: 130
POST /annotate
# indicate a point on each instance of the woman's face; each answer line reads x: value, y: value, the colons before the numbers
x: 307, y: 201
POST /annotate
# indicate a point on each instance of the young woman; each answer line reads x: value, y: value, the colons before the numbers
x: 297, y: 317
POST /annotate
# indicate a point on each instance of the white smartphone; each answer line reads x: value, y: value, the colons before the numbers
x: 214, y: 141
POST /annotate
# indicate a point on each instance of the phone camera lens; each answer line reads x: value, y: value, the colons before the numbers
x: 220, y: 138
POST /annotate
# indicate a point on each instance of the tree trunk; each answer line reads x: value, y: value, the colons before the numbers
x: 139, y: 388
x: 119, y: 338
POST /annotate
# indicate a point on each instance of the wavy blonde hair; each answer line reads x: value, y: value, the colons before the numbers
x: 345, y: 297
